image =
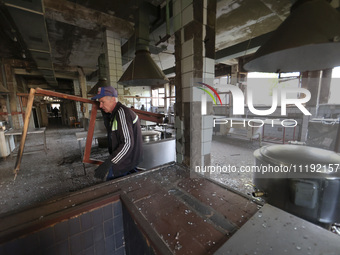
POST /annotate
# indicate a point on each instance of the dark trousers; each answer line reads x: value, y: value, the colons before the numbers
x: 110, y: 176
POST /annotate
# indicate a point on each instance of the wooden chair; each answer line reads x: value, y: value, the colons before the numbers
x: 74, y: 122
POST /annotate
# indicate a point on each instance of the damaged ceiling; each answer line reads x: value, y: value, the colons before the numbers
x: 70, y: 33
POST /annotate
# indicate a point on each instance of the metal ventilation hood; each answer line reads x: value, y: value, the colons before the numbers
x: 102, y: 80
x: 309, y: 39
x: 143, y: 71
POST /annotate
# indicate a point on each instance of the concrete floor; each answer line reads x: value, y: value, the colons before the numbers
x: 60, y: 171
x: 43, y: 176
x: 229, y: 151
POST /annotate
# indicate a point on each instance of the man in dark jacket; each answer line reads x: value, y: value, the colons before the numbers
x: 124, y: 136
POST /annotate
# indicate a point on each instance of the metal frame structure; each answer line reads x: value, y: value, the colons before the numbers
x: 155, y: 117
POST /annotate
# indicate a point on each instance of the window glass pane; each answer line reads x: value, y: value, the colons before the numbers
x: 161, y: 102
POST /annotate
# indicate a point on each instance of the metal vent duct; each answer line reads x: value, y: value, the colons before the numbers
x: 143, y: 71
x: 102, y: 80
x: 309, y: 39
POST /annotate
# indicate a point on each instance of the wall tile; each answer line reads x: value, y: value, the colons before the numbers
x: 61, y: 231
x: 118, y: 224
x: 188, y: 48
x: 86, y: 221
x: 30, y: 243
x: 119, y: 240
x: 13, y: 247
x: 69, y: 237
x: 117, y: 209
x: 108, y: 227
x: 76, y: 244
x: 120, y: 251
x: 97, y: 217
x: 187, y: 15
x: 186, y: 92
x: 89, y: 251
x: 206, y: 148
x: 117, y: 49
x: 207, y: 135
x: 207, y: 121
x: 98, y: 233
x: 186, y: 3
x: 209, y: 65
x: 177, y: 8
x: 187, y: 79
x: 107, y: 212
x: 187, y: 64
x: 46, y: 237
x: 110, y: 245
x: 61, y: 248
x: 87, y: 239
x: 99, y: 247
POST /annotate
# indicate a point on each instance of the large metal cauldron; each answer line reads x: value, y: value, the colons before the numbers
x: 151, y: 136
x: 306, y: 181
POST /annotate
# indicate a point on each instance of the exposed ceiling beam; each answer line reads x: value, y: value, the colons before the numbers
x: 36, y: 39
x: 80, y: 16
x: 241, y: 49
x: 61, y: 75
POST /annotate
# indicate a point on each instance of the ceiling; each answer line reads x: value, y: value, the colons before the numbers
x: 58, y: 37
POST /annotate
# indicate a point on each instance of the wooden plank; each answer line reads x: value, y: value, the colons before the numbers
x: 24, y: 132
x: 65, y: 96
x: 89, y: 138
x: 150, y: 116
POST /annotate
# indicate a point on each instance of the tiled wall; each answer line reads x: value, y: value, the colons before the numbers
x: 113, y: 60
x: 99, y: 231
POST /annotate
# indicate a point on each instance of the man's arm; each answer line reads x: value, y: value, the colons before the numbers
x: 125, y: 136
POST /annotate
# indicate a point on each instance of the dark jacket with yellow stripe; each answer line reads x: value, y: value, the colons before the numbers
x: 125, y: 139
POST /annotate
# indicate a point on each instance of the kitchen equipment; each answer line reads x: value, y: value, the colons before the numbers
x: 303, y: 180
x: 151, y: 135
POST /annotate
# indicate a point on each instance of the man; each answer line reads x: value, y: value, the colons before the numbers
x: 124, y: 136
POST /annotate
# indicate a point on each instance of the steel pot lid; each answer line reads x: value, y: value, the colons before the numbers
x: 150, y: 135
x: 298, y: 155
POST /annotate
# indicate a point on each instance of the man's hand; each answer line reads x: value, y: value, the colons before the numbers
x: 102, y: 171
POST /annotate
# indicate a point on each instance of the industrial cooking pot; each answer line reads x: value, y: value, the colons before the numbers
x: 302, y: 180
x: 151, y: 135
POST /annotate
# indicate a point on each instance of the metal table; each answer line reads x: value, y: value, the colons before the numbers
x: 81, y: 136
x: 17, y: 132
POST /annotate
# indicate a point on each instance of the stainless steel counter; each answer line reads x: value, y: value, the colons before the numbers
x: 158, y: 153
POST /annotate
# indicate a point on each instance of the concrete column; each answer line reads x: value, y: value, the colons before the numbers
x: 80, y: 89
x: 44, y: 115
x: 326, y: 79
x: 194, y: 26
x: 311, y: 81
x: 113, y: 59
x: 314, y: 86
x: 14, y: 107
x: 167, y: 100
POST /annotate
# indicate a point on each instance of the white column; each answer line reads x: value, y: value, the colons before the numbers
x: 113, y: 61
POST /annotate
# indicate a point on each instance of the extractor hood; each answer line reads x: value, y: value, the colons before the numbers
x: 142, y: 71
x: 309, y: 39
x: 102, y: 80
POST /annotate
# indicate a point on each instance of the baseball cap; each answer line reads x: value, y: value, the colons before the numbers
x: 105, y: 91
